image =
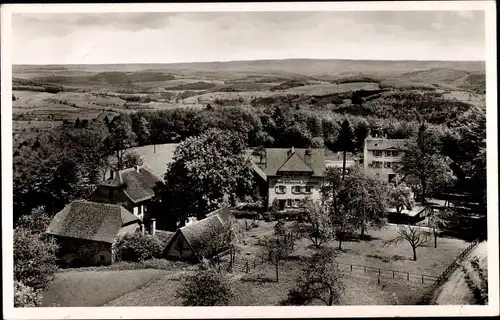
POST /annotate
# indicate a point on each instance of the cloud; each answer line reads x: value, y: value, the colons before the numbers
x: 179, y: 37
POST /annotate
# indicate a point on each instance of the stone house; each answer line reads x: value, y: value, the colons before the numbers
x: 132, y: 187
x: 87, y: 231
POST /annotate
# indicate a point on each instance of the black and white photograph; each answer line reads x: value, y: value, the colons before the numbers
x: 302, y: 159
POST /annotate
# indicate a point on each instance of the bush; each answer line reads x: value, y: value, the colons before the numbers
x: 25, y: 296
x: 34, y: 259
x: 137, y: 247
x: 36, y: 222
x: 206, y: 287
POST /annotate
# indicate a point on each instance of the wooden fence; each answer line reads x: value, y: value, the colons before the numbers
x: 452, y: 266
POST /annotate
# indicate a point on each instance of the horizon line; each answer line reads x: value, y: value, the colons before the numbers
x: 248, y: 60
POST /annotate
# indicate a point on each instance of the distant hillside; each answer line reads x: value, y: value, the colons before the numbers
x: 308, y: 67
x: 468, y: 80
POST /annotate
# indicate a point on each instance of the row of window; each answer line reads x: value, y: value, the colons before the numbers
x: 379, y: 153
x: 290, y: 203
x: 295, y: 189
x: 381, y: 164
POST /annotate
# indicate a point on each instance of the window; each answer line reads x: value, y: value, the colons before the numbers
x: 377, y: 153
x: 280, y: 189
x: 387, y: 164
x: 101, y: 257
x: 297, y: 202
x: 289, y: 202
x: 377, y: 164
x: 297, y: 189
x: 308, y: 189
x: 392, y: 153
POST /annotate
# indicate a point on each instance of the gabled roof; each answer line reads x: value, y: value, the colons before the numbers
x: 136, y: 183
x: 295, y: 164
x: 87, y: 220
x: 386, y: 144
x: 282, y: 159
x: 205, y: 235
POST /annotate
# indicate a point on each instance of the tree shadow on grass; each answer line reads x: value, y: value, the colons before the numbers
x: 388, y: 259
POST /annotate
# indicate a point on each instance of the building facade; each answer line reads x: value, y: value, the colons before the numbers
x: 381, y: 155
x: 291, y: 176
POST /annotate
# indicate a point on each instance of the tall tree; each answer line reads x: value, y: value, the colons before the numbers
x: 207, y: 172
x: 423, y: 163
x: 346, y: 142
x: 320, y: 228
x: 120, y: 138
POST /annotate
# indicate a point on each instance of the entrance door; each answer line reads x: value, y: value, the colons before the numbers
x: 282, y: 204
x: 391, y: 177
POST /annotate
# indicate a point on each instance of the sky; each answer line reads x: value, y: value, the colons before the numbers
x: 165, y: 37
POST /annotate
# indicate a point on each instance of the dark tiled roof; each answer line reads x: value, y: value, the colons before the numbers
x: 386, y: 144
x: 164, y: 236
x: 279, y: 159
x: 91, y: 221
x: 203, y: 235
x: 137, y: 184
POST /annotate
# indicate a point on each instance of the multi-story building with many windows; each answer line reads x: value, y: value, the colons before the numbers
x: 381, y: 155
x: 291, y: 175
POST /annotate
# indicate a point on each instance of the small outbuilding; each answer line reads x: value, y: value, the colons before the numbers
x: 201, y: 239
x: 87, y: 231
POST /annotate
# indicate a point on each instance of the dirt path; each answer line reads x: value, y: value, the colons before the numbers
x: 455, y: 291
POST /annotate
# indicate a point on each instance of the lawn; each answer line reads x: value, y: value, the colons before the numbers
x: 95, y: 288
x: 156, y: 157
x: 362, y: 288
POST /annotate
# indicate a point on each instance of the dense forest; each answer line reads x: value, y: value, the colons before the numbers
x: 66, y: 162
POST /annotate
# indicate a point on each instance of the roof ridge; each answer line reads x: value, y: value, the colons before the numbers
x: 290, y: 157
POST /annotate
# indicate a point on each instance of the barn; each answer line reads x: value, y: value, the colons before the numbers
x: 201, y: 239
x: 87, y: 231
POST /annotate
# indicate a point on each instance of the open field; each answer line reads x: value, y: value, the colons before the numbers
x: 156, y: 157
x: 95, y: 288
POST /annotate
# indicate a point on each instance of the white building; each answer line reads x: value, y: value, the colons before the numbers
x: 380, y: 156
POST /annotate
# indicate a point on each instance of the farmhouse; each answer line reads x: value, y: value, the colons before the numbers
x: 380, y: 156
x: 132, y: 187
x: 86, y: 231
x: 201, y: 239
x: 291, y: 175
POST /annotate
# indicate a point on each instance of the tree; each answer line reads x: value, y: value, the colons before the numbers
x: 320, y: 279
x: 346, y: 142
x: 142, y: 130
x: 34, y: 258
x: 205, y: 288
x: 438, y: 219
x: 320, y: 230
x: 25, y: 296
x: 208, y: 171
x: 422, y: 162
x: 317, y: 143
x: 131, y: 159
x: 413, y: 235
x: 277, y: 248
x: 120, y: 138
x: 37, y: 222
x: 365, y: 200
x: 400, y: 197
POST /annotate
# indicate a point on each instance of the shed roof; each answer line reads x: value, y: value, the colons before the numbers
x: 87, y: 220
x: 137, y: 183
x: 205, y: 236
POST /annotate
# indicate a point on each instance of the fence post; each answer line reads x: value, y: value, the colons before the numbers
x: 378, y: 280
x: 365, y: 269
x: 408, y: 276
x: 247, y: 267
x: 379, y: 272
x: 422, y: 278
x: 393, y: 273
x: 351, y: 267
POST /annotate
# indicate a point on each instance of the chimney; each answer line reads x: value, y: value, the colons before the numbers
x: 293, y: 150
x: 142, y: 228
x: 153, y: 226
x: 307, y: 156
